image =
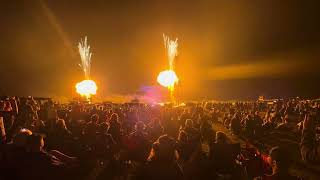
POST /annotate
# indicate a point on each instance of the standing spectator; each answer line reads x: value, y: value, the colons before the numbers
x: 155, y: 129
x: 235, y: 124
x: 206, y: 130
x: 183, y: 147
x: 192, y: 133
x: 35, y: 107
x: 8, y: 117
x: 115, y: 128
x: 52, y: 115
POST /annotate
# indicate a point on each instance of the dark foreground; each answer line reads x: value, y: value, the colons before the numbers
x: 242, y: 140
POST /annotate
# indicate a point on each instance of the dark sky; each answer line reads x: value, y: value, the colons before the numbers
x: 227, y: 49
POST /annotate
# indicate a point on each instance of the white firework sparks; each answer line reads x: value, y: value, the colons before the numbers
x: 85, y: 54
x: 172, y: 50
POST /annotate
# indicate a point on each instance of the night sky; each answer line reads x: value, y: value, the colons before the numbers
x: 227, y: 49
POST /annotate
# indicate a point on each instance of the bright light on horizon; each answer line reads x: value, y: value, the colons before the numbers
x: 168, y: 79
x: 86, y: 88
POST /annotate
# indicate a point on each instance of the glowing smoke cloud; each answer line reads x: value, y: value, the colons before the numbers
x: 86, y: 87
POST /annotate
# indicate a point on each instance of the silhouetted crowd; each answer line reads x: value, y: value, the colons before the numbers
x: 41, y: 139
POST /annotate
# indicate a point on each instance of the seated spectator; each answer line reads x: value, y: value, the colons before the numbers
x: 103, y: 128
x: 221, y: 138
x: 226, y: 120
x: 44, y: 165
x: 309, y: 148
x: 1, y: 105
x: 7, y: 106
x: 20, y: 140
x: 38, y: 126
x: 17, y: 149
x: 280, y: 161
x: 269, y: 124
x: 11, y: 155
x: 284, y: 126
x: 223, y: 156
x: 61, y: 137
x: 138, y: 143
x: 61, y: 129
x: 162, y: 161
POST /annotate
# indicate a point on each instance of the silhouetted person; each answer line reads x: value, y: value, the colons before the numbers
x: 115, y: 127
x: 162, y: 161
x: 309, y: 147
x: 280, y: 162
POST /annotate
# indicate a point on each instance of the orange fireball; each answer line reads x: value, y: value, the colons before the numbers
x: 168, y: 79
x: 86, y: 88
